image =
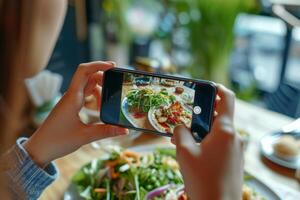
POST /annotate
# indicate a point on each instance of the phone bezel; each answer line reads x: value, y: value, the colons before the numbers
x: 197, y: 81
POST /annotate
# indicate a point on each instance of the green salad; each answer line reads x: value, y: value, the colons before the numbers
x: 143, y: 99
x: 128, y: 175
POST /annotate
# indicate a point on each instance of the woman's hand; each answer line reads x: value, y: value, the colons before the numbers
x: 213, y: 169
x: 63, y: 132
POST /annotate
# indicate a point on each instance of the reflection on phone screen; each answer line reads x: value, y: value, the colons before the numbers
x: 155, y: 103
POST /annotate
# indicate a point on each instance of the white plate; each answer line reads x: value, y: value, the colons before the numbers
x: 126, y: 113
x: 254, y: 183
x: 266, y: 148
x: 155, y: 124
x: 261, y: 188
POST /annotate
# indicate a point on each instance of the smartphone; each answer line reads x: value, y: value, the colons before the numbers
x: 156, y: 103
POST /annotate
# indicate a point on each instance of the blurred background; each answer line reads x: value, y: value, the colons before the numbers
x: 252, y: 46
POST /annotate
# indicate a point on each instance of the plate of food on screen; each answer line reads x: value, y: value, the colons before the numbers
x: 165, y: 118
x: 169, y: 82
x: 137, y: 103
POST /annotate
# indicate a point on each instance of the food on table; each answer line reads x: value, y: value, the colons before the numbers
x: 129, y: 175
x: 167, y: 117
x: 286, y: 147
x: 126, y: 175
x: 168, y: 82
x: 187, y: 98
x: 142, y: 81
x: 245, y: 137
x: 141, y: 100
x: 179, y: 90
x: 128, y: 78
x: 250, y: 194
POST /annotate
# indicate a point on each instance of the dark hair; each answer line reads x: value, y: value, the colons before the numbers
x: 11, y: 12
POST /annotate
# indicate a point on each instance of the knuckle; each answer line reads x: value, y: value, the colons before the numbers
x: 225, y: 122
x: 82, y: 65
x: 228, y: 130
x: 81, y: 68
x: 228, y: 133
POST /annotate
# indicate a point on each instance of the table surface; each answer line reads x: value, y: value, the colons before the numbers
x: 256, y: 121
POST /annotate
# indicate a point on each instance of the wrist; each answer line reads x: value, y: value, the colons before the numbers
x: 35, y: 155
x: 211, y: 194
x: 220, y: 193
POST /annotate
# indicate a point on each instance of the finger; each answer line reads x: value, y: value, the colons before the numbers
x: 97, y: 94
x: 80, y: 79
x: 95, y: 79
x: 183, y: 138
x: 215, y: 116
x: 182, y: 135
x: 223, y: 124
x: 84, y: 71
x: 95, y: 97
x: 113, y: 63
x: 215, y: 113
x: 225, y: 107
x: 101, y: 131
x: 186, y: 148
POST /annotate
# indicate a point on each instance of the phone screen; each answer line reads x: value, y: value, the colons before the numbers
x: 155, y: 103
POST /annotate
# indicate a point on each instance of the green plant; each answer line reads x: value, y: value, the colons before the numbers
x: 249, y: 93
x: 114, y: 20
x: 210, y: 30
x: 210, y: 33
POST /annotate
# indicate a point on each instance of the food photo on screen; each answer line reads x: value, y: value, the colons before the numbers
x: 155, y: 103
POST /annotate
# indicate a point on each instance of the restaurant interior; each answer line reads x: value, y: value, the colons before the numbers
x: 250, y: 46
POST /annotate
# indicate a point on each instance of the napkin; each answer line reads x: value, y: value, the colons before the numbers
x: 44, y: 87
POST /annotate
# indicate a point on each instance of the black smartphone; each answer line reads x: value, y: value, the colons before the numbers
x: 156, y: 103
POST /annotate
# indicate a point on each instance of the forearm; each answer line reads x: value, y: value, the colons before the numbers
x: 25, y: 178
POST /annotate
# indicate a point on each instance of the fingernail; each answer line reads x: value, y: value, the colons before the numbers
x: 112, y: 63
x: 179, y: 126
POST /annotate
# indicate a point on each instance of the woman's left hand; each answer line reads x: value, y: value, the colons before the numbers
x: 63, y: 132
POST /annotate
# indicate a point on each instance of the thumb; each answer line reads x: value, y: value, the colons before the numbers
x: 101, y: 131
x: 186, y: 147
x: 183, y: 138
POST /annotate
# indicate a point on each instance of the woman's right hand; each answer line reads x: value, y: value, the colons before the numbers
x: 213, y: 169
x: 63, y: 132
